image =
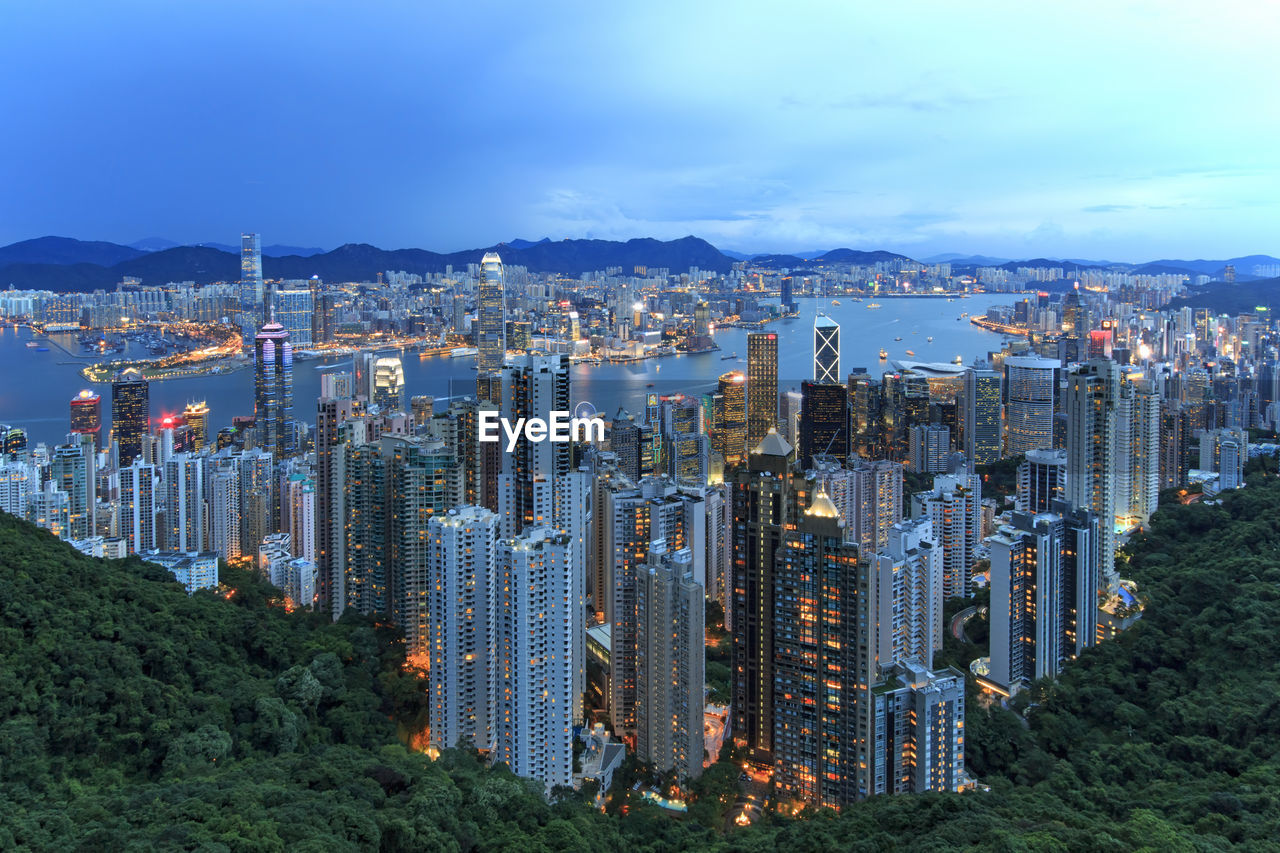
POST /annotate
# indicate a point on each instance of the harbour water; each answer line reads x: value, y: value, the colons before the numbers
x: 36, y: 387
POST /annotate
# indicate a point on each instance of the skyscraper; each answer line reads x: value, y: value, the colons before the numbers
x: 273, y: 390
x: 251, y: 271
x: 138, y: 507
x: 71, y: 470
x: 462, y: 560
x: 86, y: 416
x: 826, y: 351
x: 294, y: 309
x: 669, y: 664
x: 824, y: 422
x: 196, y: 416
x: 491, y: 316
x: 907, y: 592
x: 534, y: 385
x: 534, y: 629
x: 982, y: 420
x: 762, y: 386
x: 954, y: 506
x: 1042, y: 479
x: 1031, y: 389
x: 1092, y: 407
x: 730, y: 437
x: 821, y: 661
x: 388, y: 383
x: 130, y: 414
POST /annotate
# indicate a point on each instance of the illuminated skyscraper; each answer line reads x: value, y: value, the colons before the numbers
x: 826, y: 351
x: 130, y: 414
x: 294, y: 309
x: 491, y: 317
x: 196, y: 416
x: 250, y: 270
x: 533, y: 387
x: 1092, y: 406
x: 762, y: 386
x: 824, y: 422
x: 273, y: 389
x: 730, y: 437
x: 388, y: 384
x: 981, y: 424
x: 86, y: 416
x: 1031, y: 389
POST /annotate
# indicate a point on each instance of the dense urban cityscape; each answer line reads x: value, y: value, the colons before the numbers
x: 557, y: 592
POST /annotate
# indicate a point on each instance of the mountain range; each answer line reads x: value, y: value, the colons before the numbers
x: 67, y: 264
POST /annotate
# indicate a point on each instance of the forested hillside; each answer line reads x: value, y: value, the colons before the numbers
x: 135, y: 717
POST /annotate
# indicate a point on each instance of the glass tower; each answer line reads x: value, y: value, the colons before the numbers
x: 762, y: 386
x: 273, y: 389
x: 491, y: 319
x: 130, y: 414
x: 826, y: 351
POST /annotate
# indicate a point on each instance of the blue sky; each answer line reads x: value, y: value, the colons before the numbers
x: 1118, y: 130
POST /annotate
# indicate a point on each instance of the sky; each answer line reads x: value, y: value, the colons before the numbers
x: 1123, y: 131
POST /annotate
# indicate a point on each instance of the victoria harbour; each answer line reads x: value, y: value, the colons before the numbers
x: 37, y: 385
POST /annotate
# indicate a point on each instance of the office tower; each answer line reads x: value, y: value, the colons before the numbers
x: 130, y: 415
x: 787, y: 294
x: 624, y: 443
x: 72, y: 470
x: 388, y: 384
x: 866, y: 399
x: 826, y: 351
x: 86, y: 416
x: 1044, y: 592
x: 520, y: 336
x: 918, y: 719
x: 184, y: 505
x: 196, y: 416
x: 1224, y: 451
x: 730, y: 437
x: 928, y: 448
x: 824, y: 422
x: 762, y: 490
x: 251, y: 271
x: 294, y: 310
x: 461, y: 561
x: 362, y: 376
x: 789, y: 404
x: 954, y: 507
x: 821, y: 661
x: 981, y: 419
x: 534, y: 386
x: 17, y: 480
x: 762, y: 386
x: 534, y: 628
x: 15, y: 439
x: 702, y: 319
x: 687, y: 441
x: 298, y: 515
x: 670, y: 607
x: 907, y: 591
x: 491, y: 316
x: 423, y: 410
x: 1042, y: 480
x: 1031, y: 386
x: 1092, y: 409
x: 905, y: 404
x: 273, y: 390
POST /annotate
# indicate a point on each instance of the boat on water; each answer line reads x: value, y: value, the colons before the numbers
x: 871, y: 305
x: 650, y: 385
x: 929, y: 339
x: 462, y: 352
x: 910, y: 353
x: 32, y: 345
x: 729, y: 356
x: 958, y: 359
x: 835, y: 301
x: 897, y: 339
x: 884, y: 354
x: 42, y: 349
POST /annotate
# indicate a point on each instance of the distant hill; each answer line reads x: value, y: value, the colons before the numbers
x: 275, y: 250
x: 525, y: 244
x: 780, y: 261
x: 958, y: 259
x: 1222, y: 297
x: 66, y: 250
x: 854, y: 256
x: 354, y: 262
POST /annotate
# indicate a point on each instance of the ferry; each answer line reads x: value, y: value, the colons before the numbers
x: 884, y: 354
x: 929, y: 339
x: 32, y: 345
x: 462, y: 352
x: 871, y: 305
x: 835, y: 302
x: 958, y: 359
x: 729, y: 356
x: 910, y: 353
x: 897, y: 339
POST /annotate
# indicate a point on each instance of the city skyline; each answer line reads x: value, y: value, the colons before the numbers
x: 881, y: 129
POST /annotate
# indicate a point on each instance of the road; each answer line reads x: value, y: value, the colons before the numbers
x: 957, y: 623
